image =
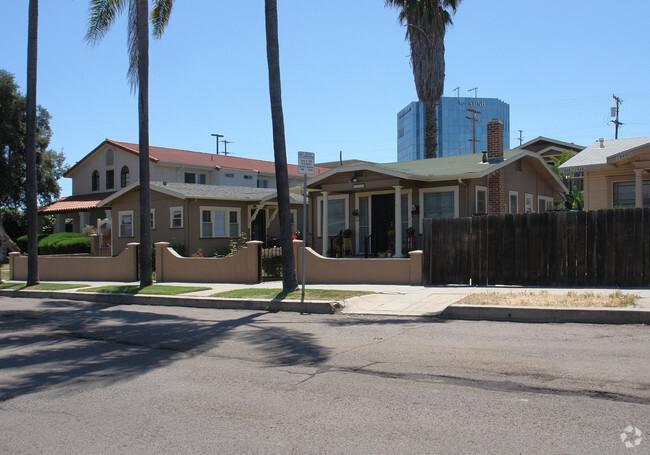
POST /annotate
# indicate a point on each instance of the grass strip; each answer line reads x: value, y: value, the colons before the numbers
x: 41, y: 286
x: 278, y: 294
x: 617, y: 299
x: 156, y: 289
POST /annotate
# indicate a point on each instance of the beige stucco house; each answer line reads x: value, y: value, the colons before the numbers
x: 373, y: 199
x: 616, y: 173
x: 198, y: 216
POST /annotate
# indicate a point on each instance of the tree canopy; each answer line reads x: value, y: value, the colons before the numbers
x: 50, y: 164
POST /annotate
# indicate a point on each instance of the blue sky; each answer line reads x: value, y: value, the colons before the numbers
x: 345, y: 73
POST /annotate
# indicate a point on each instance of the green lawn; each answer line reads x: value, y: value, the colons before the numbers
x: 156, y: 289
x: 42, y: 286
x: 271, y: 294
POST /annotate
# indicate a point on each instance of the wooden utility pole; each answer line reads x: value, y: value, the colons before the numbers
x: 616, y: 122
x: 474, y: 121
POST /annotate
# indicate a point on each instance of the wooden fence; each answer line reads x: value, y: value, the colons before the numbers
x: 597, y: 248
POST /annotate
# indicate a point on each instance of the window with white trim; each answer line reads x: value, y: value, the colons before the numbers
x: 337, y: 214
x: 439, y: 202
x: 481, y: 199
x: 528, y: 202
x: 152, y: 218
x: 624, y: 194
x: 544, y: 203
x: 513, y: 198
x: 176, y: 217
x: 126, y: 223
x: 220, y: 222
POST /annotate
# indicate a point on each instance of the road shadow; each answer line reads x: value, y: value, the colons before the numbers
x: 61, y: 342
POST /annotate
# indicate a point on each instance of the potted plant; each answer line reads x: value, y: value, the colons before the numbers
x: 347, y: 233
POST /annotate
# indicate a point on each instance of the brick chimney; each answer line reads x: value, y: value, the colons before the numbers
x: 496, y: 179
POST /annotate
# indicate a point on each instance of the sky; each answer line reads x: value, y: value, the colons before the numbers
x: 345, y: 73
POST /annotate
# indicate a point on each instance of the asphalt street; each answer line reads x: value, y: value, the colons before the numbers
x: 82, y: 378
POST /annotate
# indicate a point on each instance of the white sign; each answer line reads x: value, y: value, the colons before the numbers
x: 306, y: 162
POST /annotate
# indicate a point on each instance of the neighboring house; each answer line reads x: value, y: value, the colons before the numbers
x: 615, y: 173
x: 198, y: 216
x: 372, y: 199
x: 113, y: 165
x: 552, y: 148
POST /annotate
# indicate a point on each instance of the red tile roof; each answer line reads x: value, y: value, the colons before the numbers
x: 157, y: 154
x: 74, y: 203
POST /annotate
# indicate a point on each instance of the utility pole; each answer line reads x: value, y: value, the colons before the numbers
x: 225, y: 146
x: 457, y: 90
x: 475, y: 90
x: 616, y: 122
x: 217, y: 136
x: 474, y: 121
x: 521, y: 138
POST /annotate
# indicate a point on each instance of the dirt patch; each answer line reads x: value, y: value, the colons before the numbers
x: 570, y: 299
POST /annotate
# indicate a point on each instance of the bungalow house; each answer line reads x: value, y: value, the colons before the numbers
x: 615, y: 173
x: 552, y: 148
x: 113, y: 165
x: 378, y: 203
x: 198, y: 216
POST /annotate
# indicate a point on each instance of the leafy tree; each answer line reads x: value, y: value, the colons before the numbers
x: 426, y: 23
x: 49, y: 164
x: 102, y: 15
x: 289, y: 278
x: 574, y: 199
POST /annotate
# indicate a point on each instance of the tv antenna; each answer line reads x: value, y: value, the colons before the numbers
x: 217, y: 136
x: 457, y: 90
x: 475, y: 90
x: 225, y: 147
x: 521, y: 138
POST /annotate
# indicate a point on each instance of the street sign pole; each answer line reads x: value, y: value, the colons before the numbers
x: 306, y: 162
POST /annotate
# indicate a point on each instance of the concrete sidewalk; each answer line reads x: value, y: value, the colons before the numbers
x: 388, y: 300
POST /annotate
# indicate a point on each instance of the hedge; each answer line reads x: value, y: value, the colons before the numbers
x: 61, y: 243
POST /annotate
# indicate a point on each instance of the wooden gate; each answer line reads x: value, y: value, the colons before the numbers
x: 598, y: 248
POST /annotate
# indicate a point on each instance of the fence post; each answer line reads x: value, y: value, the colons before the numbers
x: 254, y: 261
x: 416, y: 275
x: 160, y: 248
x: 134, y: 251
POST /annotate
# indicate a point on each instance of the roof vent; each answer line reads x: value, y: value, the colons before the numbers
x: 602, y: 143
x: 484, y: 160
x: 164, y: 183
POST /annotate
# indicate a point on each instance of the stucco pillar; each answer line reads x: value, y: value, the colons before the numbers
x: 326, y: 234
x: 638, y: 186
x: 59, y: 225
x: 84, y: 220
x: 109, y: 215
x: 398, y: 221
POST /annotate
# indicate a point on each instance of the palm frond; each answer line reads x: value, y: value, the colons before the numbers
x: 102, y: 16
x: 162, y: 10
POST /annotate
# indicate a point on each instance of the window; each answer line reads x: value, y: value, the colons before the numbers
x: 528, y: 202
x: 263, y: 183
x: 152, y: 217
x: 248, y: 177
x: 544, y: 203
x: 191, y: 177
x: 294, y: 219
x: 337, y: 214
x: 95, y: 181
x: 110, y: 180
x: 109, y: 157
x: 176, y: 217
x: 481, y: 199
x: 514, y: 202
x: 124, y: 177
x: 439, y: 203
x: 220, y: 222
x: 519, y: 167
x: 126, y: 223
x: 624, y: 194
x: 229, y: 175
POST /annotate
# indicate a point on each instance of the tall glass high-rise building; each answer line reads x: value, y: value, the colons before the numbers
x: 455, y: 136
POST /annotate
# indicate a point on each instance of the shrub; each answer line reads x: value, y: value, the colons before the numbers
x: 64, y: 243
x: 22, y: 241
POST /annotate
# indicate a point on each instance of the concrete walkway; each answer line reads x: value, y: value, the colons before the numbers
x: 391, y: 300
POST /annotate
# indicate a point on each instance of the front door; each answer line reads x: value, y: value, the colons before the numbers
x: 258, y: 226
x: 382, y: 220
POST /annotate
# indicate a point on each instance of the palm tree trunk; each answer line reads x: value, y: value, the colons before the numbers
x: 30, y: 147
x: 143, y: 130
x: 430, y: 130
x: 289, y: 278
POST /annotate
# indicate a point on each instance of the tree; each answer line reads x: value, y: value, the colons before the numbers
x: 30, y: 147
x: 13, y: 173
x: 102, y: 16
x: 289, y: 278
x: 426, y: 23
x: 575, y: 199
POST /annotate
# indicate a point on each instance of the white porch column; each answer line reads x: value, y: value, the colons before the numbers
x: 59, y: 225
x: 638, y: 203
x: 398, y: 221
x: 109, y: 215
x: 326, y: 234
x: 84, y: 220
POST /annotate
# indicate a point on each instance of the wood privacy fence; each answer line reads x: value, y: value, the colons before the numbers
x: 597, y: 248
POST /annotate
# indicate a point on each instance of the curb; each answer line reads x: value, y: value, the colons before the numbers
x: 547, y: 314
x: 309, y: 306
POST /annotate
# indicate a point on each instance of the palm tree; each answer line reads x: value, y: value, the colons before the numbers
x: 426, y: 22
x: 102, y: 16
x: 30, y: 147
x: 289, y: 278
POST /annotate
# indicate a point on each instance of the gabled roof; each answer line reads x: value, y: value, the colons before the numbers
x: 444, y: 168
x: 198, y: 191
x: 74, y: 203
x: 596, y: 156
x: 543, y: 145
x: 164, y: 155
